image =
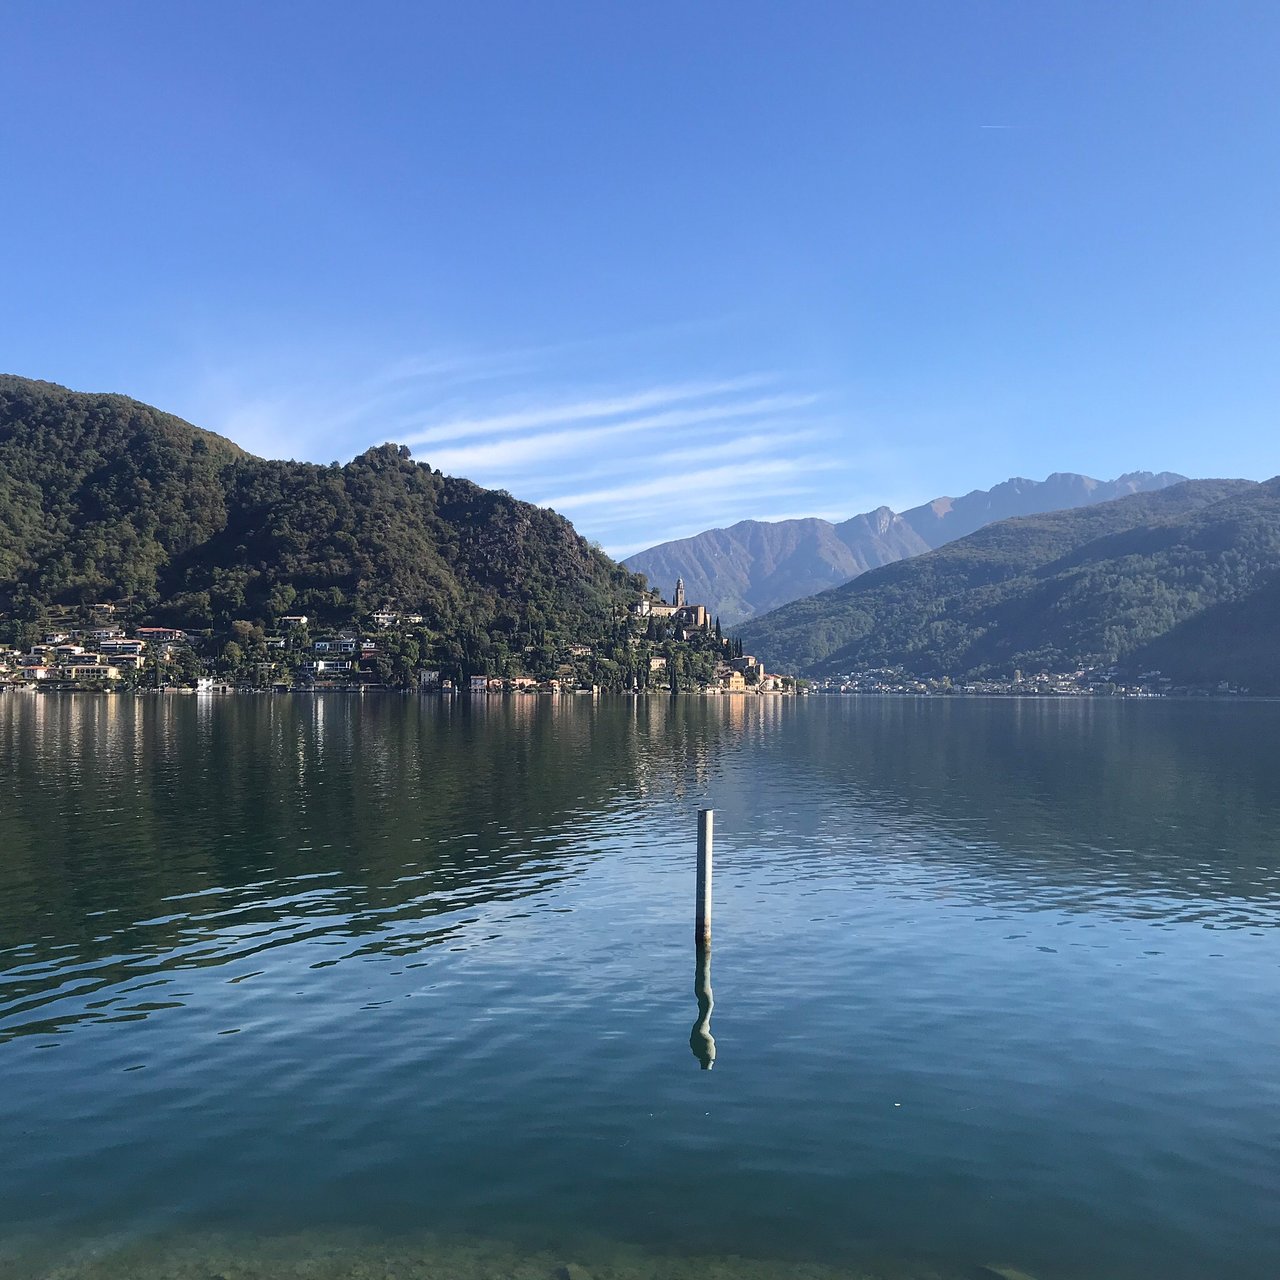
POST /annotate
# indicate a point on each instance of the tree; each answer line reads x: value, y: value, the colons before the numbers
x: 186, y: 664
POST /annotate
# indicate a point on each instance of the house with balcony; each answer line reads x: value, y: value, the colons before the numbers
x: 327, y: 668
x: 172, y: 635
x: 84, y: 670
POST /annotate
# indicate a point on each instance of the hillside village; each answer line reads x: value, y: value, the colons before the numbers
x: 654, y: 646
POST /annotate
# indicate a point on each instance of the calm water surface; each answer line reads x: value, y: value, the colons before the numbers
x: 388, y: 987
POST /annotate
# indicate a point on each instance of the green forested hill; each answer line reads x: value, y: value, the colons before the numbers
x: 98, y: 492
x: 1237, y: 640
x: 105, y: 499
x: 1150, y: 580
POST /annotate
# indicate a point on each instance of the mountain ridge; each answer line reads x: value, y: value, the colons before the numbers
x: 1185, y: 579
x: 752, y: 567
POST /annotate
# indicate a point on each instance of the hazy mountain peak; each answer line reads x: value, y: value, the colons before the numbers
x: 754, y: 566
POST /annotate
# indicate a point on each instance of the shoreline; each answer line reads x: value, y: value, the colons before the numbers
x: 717, y: 695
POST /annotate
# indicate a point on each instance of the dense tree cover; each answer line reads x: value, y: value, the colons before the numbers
x: 103, y: 499
x: 98, y: 493
x: 1147, y: 580
x: 1236, y: 640
x: 384, y: 531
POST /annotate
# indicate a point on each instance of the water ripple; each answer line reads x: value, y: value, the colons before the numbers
x: 990, y: 982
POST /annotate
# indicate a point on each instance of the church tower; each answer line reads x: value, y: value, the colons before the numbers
x: 679, y: 600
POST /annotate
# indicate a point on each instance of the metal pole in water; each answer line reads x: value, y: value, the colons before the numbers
x: 702, y: 914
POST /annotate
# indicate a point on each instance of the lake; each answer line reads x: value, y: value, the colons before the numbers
x: 335, y: 986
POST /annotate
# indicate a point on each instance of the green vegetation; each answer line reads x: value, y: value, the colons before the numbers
x: 1185, y: 579
x: 103, y: 499
x: 99, y: 494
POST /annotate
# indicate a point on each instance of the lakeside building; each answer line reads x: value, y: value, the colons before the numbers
x: 747, y: 675
x: 384, y: 618
x: 680, y: 612
x: 328, y: 667
x: 93, y: 651
x: 93, y: 656
x: 88, y: 671
x: 125, y: 661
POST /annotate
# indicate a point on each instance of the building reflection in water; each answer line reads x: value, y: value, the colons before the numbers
x: 701, y: 1041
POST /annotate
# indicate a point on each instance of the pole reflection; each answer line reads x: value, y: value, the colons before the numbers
x: 701, y: 1041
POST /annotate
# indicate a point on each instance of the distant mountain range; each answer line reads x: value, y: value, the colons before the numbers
x: 105, y: 499
x: 1186, y: 580
x: 754, y: 566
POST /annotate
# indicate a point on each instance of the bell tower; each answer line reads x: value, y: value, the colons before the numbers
x: 679, y: 600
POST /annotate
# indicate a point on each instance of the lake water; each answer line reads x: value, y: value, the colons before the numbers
x: 335, y: 986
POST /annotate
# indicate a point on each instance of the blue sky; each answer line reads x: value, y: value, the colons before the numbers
x: 661, y: 266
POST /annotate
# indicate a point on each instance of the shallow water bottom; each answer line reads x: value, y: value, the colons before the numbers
x: 350, y: 1256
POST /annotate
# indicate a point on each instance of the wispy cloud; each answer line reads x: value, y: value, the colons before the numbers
x: 559, y: 413
x: 315, y: 405
x: 740, y: 446
x: 735, y: 475
x: 625, y: 464
x: 513, y: 451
